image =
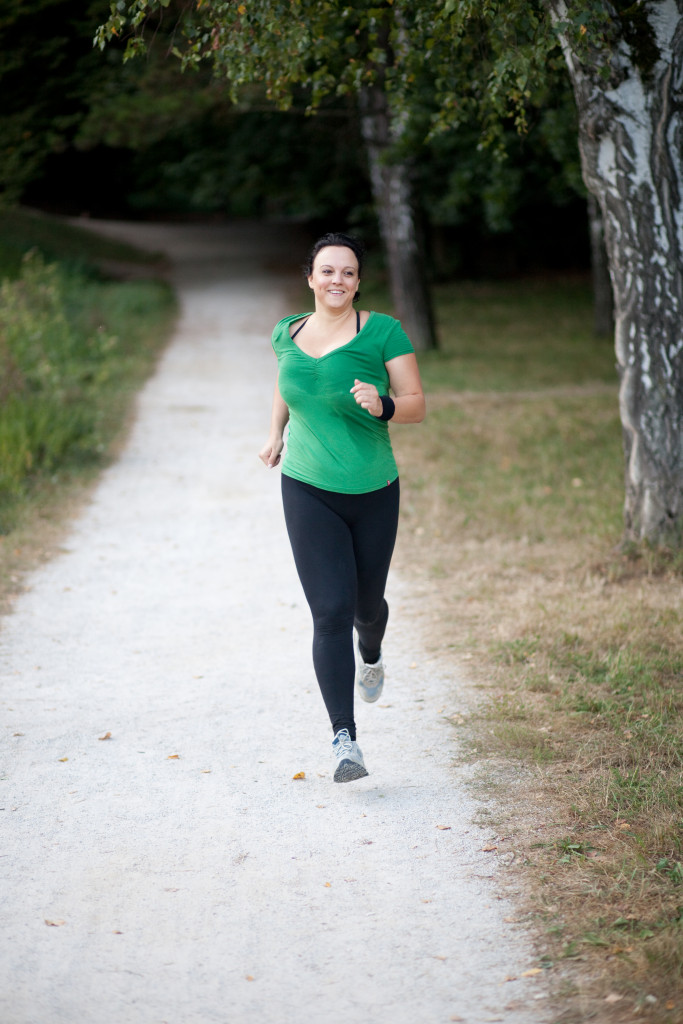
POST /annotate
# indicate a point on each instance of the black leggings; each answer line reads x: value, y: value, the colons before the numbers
x: 342, y: 545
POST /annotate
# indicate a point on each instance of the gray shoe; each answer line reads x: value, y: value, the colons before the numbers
x: 369, y: 678
x: 350, y: 763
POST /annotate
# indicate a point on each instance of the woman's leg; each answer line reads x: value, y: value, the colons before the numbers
x: 374, y: 536
x: 324, y: 556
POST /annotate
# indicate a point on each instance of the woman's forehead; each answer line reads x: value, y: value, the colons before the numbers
x: 337, y: 254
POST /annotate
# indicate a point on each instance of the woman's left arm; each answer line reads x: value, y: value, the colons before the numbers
x: 409, y: 399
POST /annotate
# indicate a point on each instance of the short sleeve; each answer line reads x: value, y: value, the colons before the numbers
x: 397, y: 342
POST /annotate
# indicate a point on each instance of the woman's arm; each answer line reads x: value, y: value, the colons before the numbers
x: 404, y: 379
x: 272, y: 449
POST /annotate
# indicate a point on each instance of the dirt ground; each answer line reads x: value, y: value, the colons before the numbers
x: 160, y: 862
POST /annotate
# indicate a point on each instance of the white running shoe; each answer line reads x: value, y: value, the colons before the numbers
x: 369, y: 678
x: 350, y: 763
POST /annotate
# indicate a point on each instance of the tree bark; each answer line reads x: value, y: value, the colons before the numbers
x: 631, y: 143
x: 393, y: 195
x: 603, y: 301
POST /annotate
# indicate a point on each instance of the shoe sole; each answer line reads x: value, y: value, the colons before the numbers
x: 364, y: 695
x: 347, y: 771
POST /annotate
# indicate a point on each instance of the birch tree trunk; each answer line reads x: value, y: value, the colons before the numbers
x: 603, y: 302
x: 393, y: 195
x: 631, y: 142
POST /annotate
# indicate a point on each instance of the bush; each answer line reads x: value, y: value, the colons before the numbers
x: 63, y: 368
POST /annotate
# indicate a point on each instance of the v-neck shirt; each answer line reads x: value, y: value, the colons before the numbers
x: 332, y: 442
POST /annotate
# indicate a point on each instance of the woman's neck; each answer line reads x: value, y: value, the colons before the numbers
x: 327, y: 318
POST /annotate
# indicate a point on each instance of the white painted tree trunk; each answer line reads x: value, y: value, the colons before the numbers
x: 392, y: 192
x: 631, y: 142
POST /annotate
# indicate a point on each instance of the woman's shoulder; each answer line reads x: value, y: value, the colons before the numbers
x: 282, y: 327
x: 389, y: 332
x: 383, y: 321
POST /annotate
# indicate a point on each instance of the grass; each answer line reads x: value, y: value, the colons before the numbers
x: 512, y: 495
x: 74, y: 348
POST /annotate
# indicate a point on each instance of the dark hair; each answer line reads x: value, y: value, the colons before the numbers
x: 340, y: 239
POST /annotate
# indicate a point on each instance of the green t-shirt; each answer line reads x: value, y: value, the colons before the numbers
x: 333, y: 443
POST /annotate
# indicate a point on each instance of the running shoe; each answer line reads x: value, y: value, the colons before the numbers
x: 350, y: 763
x: 369, y: 678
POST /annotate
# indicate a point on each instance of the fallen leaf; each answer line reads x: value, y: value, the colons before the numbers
x: 442, y: 958
x: 670, y: 1005
x: 624, y: 825
x: 64, y: 759
x: 206, y: 771
x: 107, y: 736
x: 531, y: 972
x: 299, y: 775
x: 117, y: 932
x: 320, y: 806
x: 17, y: 734
x: 613, y: 997
x: 510, y: 977
x: 489, y: 849
x: 54, y: 924
x: 413, y: 664
x: 328, y: 885
x: 444, y: 828
x: 173, y: 757
x: 248, y: 977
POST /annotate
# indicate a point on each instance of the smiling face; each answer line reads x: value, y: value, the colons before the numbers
x: 334, y: 279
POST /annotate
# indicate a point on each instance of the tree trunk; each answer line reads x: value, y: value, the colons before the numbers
x: 392, y: 192
x: 603, y: 301
x: 631, y: 142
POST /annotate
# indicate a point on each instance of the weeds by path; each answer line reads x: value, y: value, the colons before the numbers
x: 74, y: 348
x: 511, y: 521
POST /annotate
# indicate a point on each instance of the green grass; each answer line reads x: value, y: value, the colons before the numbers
x: 74, y: 348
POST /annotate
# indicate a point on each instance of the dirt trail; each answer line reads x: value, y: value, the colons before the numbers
x: 186, y: 876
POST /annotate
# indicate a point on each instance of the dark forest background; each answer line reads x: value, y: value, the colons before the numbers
x: 84, y: 134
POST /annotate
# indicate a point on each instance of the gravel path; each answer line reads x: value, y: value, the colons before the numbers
x: 158, y: 862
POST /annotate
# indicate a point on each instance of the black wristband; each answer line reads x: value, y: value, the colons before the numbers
x: 388, y: 407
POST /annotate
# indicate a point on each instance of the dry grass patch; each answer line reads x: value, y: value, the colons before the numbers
x: 511, y: 518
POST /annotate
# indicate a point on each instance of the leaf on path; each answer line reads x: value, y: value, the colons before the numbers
x: 248, y: 977
x: 64, y: 759
x: 173, y: 757
x: 54, y: 924
x: 510, y: 977
x: 206, y: 771
x: 444, y: 828
x: 107, y: 736
x: 613, y: 997
x: 531, y: 972
x: 299, y: 775
x: 17, y: 734
x: 328, y: 885
x: 489, y: 849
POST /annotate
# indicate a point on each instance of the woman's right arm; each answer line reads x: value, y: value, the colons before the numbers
x: 272, y: 449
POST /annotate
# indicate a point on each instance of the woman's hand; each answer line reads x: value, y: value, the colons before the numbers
x: 271, y: 452
x: 367, y: 397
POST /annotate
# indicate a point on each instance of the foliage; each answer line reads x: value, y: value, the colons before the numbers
x: 64, y: 368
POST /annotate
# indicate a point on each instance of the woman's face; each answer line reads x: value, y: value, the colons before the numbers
x: 334, y: 279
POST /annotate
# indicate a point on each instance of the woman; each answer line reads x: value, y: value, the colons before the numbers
x: 340, y: 486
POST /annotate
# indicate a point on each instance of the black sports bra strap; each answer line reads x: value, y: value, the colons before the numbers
x: 299, y: 328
